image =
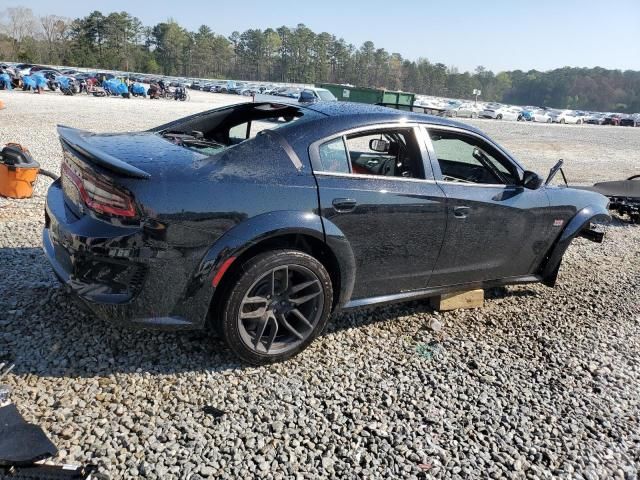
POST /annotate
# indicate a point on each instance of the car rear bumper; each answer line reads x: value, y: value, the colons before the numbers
x: 105, y: 267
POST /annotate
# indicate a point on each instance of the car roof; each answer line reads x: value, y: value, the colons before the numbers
x: 379, y: 114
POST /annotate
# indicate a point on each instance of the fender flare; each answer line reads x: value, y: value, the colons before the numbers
x: 580, y: 221
x: 235, y: 242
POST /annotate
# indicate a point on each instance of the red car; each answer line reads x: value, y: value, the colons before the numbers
x: 613, y: 119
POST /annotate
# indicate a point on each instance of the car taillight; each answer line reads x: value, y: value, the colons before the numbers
x: 98, y: 195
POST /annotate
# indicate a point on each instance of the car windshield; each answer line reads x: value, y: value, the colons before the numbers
x: 326, y: 95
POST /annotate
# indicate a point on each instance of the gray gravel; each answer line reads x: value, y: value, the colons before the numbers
x: 540, y: 383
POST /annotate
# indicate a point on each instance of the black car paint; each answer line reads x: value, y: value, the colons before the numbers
x: 198, y: 213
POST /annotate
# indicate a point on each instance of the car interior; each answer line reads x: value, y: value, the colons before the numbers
x: 464, y: 159
x: 389, y: 153
x: 210, y: 132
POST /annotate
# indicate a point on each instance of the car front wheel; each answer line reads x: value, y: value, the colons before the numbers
x: 275, y: 305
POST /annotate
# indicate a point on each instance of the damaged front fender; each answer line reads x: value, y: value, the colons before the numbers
x: 579, y: 226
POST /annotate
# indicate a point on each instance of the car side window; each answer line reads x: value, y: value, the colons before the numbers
x: 388, y: 152
x: 238, y: 133
x: 333, y: 156
x: 467, y: 159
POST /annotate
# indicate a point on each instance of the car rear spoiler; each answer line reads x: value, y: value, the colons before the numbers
x: 78, y: 140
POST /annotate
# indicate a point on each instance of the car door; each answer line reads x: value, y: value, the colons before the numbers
x: 496, y: 228
x: 376, y: 186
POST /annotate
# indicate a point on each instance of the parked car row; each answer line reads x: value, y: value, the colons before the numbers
x: 446, y: 107
x: 71, y: 81
x: 538, y: 114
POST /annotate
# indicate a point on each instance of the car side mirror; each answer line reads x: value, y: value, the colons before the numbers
x: 531, y: 180
x: 379, y: 145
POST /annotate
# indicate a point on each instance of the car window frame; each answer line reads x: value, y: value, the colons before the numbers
x: 435, y: 165
x: 419, y: 133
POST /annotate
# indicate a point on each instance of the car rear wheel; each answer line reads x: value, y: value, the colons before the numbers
x: 276, y: 304
x: 499, y: 116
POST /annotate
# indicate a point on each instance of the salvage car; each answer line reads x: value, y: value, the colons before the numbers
x: 630, y: 120
x: 463, y: 110
x: 612, y: 119
x: 260, y: 230
x: 565, y: 116
x: 501, y: 113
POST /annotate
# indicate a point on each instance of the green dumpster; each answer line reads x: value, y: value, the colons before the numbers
x: 348, y: 93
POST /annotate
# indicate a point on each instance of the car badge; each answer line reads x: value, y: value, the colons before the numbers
x: 558, y: 223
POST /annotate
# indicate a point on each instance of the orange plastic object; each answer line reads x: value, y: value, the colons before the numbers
x: 16, y: 182
x: 1, y: 104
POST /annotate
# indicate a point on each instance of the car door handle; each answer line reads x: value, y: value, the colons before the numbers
x: 344, y: 204
x: 461, y: 212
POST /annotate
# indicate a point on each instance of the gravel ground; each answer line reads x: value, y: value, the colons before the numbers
x: 591, y: 153
x: 540, y: 383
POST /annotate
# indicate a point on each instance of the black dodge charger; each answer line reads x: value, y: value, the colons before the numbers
x: 261, y: 219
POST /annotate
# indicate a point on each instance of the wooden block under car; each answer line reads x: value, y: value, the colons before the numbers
x: 454, y: 301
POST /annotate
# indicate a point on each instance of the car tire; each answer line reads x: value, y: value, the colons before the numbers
x: 260, y: 316
x: 548, y: 120
x: 454, y: 114
x: 578, y: 122
x: 562, y: 121
x: 474, y: 115
x: 499, y: 116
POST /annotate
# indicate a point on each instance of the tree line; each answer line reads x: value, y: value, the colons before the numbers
x: 120, y: 41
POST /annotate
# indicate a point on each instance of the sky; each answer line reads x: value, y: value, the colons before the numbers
x: 497, y: 34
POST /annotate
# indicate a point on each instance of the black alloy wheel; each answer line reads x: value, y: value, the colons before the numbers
x: 278, y: 302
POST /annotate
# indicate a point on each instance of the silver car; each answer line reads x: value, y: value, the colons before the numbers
x: 467, y: 110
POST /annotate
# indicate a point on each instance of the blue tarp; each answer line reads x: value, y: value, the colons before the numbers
x: 29, y: 81
x: 139, y: 89
x: 115, y: 86
x: 41, y: 82
x: 63, y: 81
x: 6, y: 80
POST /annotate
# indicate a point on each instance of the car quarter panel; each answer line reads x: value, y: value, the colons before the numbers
x: 186, y: 206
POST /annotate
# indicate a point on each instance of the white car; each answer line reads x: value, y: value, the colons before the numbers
x: 468, y: 110
x: 541, y: 116
x: 565, y: 116
x: 501, y: 113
